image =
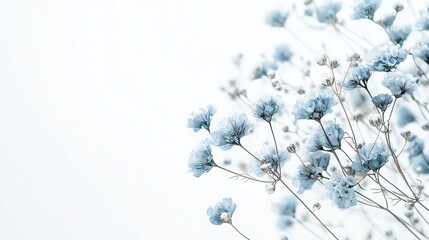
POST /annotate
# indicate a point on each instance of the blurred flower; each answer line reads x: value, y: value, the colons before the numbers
x: 399, y: 84
x: 277, y: 18
x: 282, y: 53
x: 423, y: 22
x: 341, y: 190
x: 201, y: 118
x: 231, y: 131
x: 399, y: 34
x: 266, y: 108
x: 382, y: 101
x: 221, y: 212
x: 311, y: 171
x: 415, y: 146
x: 315, y: 108
x: 373, y: 157
x: 327, y: 12
x: 405, y: 116
x: 286, y: 209
x: 365, y: 9
x: 421, y: 50
x: 263, y: 69
x: 385, y: 58
x: 201, y: 160
x: 357, y: 76
x: 421, y: 164
x: 270, y: 157
x: 331, y: 141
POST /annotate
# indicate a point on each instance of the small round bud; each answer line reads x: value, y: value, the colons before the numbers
x: 285, y: 129
x: 426, y: 126
x: 419, y: 170
x: 265, y: 167
x: 307, y: 164
x: 409, y: 205
x: 270, y: 188
x: 308, y: 12
x: 406, y: 135
x: 271, y: 74
x: 301, y: 90
x: 291, y: 148
x: 306, y: 72
x: 279, y: 88
x: 225, y: 217
x: 316, y: 207
x: 398, y: 7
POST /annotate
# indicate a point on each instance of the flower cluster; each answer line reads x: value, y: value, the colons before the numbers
x: 231, y: 131
x: 273, y: 160
x: 423, y: 23
x: 314, y: 108
x: 277, y: 18
x: 365, y: 9
x: 222, y: 212
x: 357, y: 76
x: 286, y: 211
x: 266, y: 108
x: 371, y: 157
x: 421, y: 50
x: 328, y: 138
x: 311, y: 171
x: 327, y: 13
x: 399, y: 84
x: 201, y: 160
x: 342, y: 191
x: 201, y: 119
x: 385, y: 58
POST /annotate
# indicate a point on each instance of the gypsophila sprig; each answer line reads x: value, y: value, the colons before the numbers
x: 286, y: 210
x: 222, y: 212
x: 399, y: 83
x: 328, y: 138
x: 371, y: 157
x: 266, y: 108
x: 327, y: 12
x: 314, y: 108
x: 269, y: 156
x: 201, y: 118
x: 311, y: 171
x: 385, y: 58
x: 230, y: 131
x: 201, y: 160
x: 365, y: 9
x: 358, y: 76
x: 382, y: 101
x: 341, y: 190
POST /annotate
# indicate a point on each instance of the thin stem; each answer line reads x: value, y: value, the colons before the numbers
x: 251, y: 154
x: 307, y: 228
x: 241, y: 175
x: 277, y: 149
x: 239, y: 231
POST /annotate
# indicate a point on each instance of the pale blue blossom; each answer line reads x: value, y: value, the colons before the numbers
x: 382, y: 101
x: 327, y: 12
x: 385, y: 58
x: 399, y: 33
x: 277, y: 18
x: 263, y: 68
x: 357, y: 76
x: 421, y: 50
x: 314, y: 108
x: 421, y: 163
x: 399, y: 84
x: 415, y: 146
x: 266, y: 108
x: 405, y: 116
x: 365, y: 9
x: 269, y: 156
x: 230, y: 131
x: 329, y: 141
x: 286, y: 210
x: 282, y: 53
x: 222, y: 212
x: 423, y: 22
x: 311, y: 171
x: 201, y: 118
x: 371, y: 157
x: 341, y: 190
x: 201, y: 160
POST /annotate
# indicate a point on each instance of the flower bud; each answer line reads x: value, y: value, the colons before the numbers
x: 322, y: 60
x: 398, y: 7
x: 316, y: 207
x: 225, y: 217
x: 409, y: 205
x: 291, y: 148
x: 406, y: 134
x: 334, y: 63
x: 354, y: 57
x: 426, y: 126
x: 265, y: 167
x: 271, y: 74
x: 270, y: 188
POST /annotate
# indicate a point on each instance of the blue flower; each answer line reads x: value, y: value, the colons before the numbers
x: 365, y: 9
x: 423, y: 22
x: 286, y: 209
x: 311, y: 171
x: 201, y: 160
x: 399, y: 84
x: 266, y: 108
x: 358, y: 76
x: 319, y: 141
x: 415, y: 147
x: 269, y: 156
x: 385, y: 58
x: 382, y: 101
x: 277, y: 18
x: 231, y: 131
x: 315, y: 108
x: 221, y: 212
x: 262, y: 70
x: 327, y: 13
x: 372, y: 157
x: 282, y: 53
x: 421, y: 164
x: 399, y: 34
x: 405, y: 116
x: 421, y: 50
x: 201, y: 119
x: 342, y: 191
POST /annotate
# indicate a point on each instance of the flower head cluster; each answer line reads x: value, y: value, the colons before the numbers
x: 330, y: 138
x: 341, y: 190
x: 311, y: 171
x: 421, y: 50
x: 201, y: 119
x: 385, y: 58
x: 399, y: 33
x: 423, y: 22
x: 372, y: 157
x: 399, y: 84
x: 365, y: 9
x: 277, y: 18
x: 263, y: 69
x: 419, y: 160
x: 327, y: 13
x: 282, y: 53
x: 266, y: 108
x: 201, y: 160
x: 405, y: 116
x: 315, y: 108
x: 286, y: 209
x: 221, y: 212
x: 415, y: 146
x: 270, y: 157
x: 382, y: 101
x: 357, y: 76
x: 231, y: 131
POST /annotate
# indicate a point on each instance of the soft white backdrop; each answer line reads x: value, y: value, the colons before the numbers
x: 94, y: 97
